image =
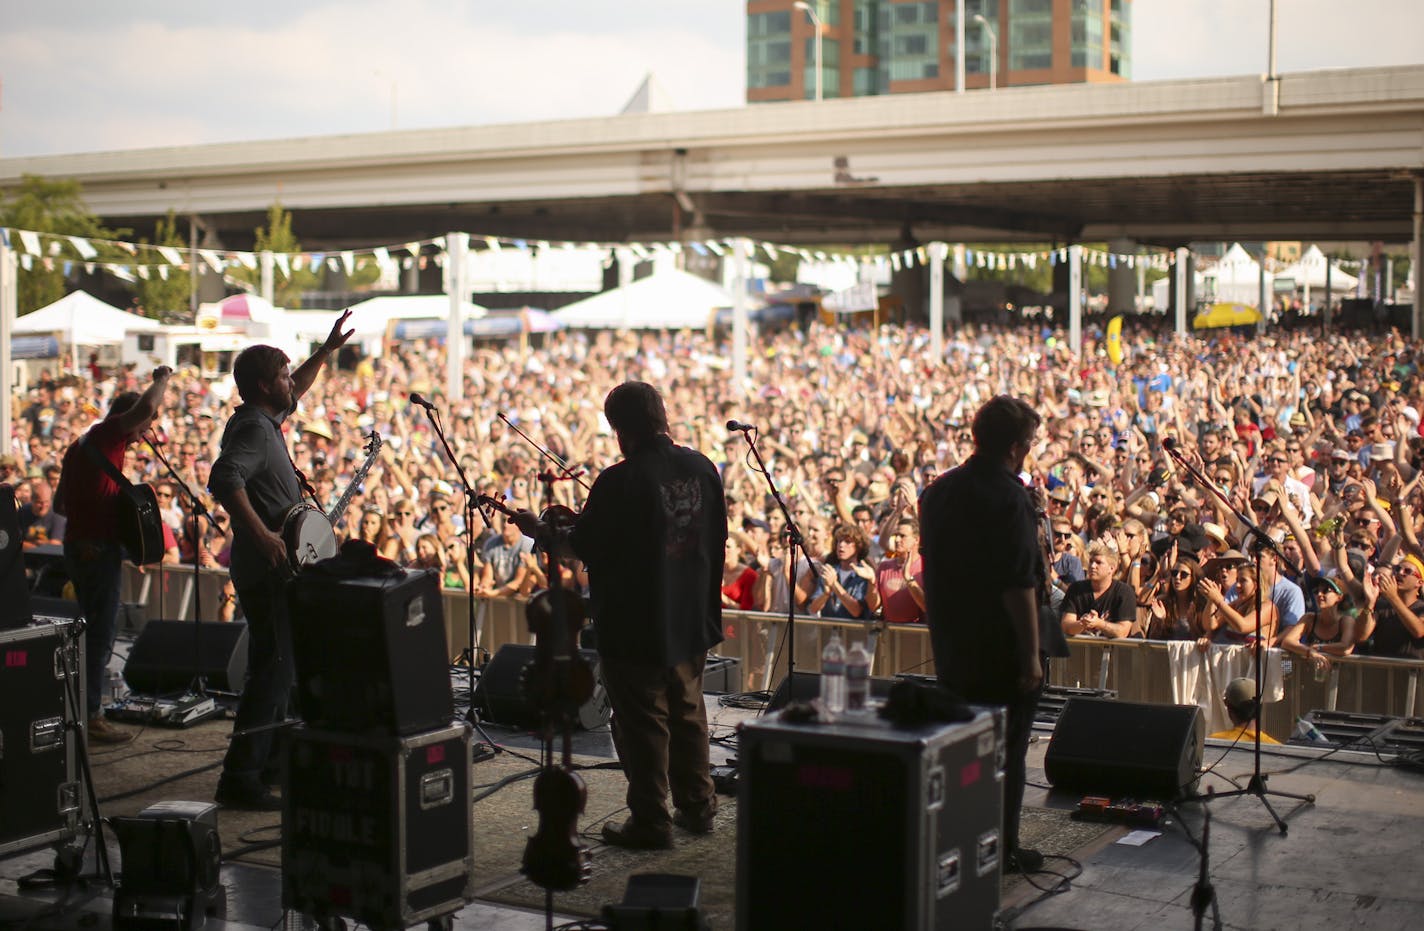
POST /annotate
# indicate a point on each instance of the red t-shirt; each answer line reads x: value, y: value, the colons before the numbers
x: 743, y: 589
x: 90, y: 496
x: 897, y: 605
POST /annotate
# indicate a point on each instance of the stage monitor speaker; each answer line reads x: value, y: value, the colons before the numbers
x: 500, y: 697
x: 371, y: 652
x: 806, y: 686
x: 171, y: 855
x: 14, y: 587
x: 1119, y: 748
x: 162, y: 659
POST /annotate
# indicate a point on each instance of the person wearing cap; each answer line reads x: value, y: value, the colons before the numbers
x: 93, y: 554
x: 1244, y: 711
x: 1337, y: 470
x: 1100, y: 605
x: 255, y: 481
x: 1396, y: 628
x: 1329, y: 630
x: 1067, y: 566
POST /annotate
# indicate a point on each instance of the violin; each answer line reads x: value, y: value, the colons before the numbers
x: 558, y: 682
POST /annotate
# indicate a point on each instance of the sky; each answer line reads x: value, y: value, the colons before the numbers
x: 96, y: 75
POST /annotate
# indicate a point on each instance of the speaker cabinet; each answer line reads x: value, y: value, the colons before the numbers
x: 168, y: 654
x: 1120, y: 748
x: 500, y: 696
x: 39, y: 780
x: 171, y: 857
x: 371, y: 652
x: 14, y: 586
x: 806, y: 686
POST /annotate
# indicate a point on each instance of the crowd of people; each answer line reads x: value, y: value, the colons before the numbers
x: 1315, y: 438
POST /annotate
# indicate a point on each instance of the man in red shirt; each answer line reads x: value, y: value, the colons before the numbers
x: 93, y: 556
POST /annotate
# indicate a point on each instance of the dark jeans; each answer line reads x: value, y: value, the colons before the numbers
x: 1018, y: 729
x: 267, y: 691
x: 94, y: 569
x: 660, y: 732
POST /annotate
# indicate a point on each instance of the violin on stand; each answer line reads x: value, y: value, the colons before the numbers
x: 558, y: 683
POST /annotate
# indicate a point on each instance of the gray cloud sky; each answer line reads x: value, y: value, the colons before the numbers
x: 93, y: 76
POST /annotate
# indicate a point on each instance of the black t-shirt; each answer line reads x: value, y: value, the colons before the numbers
x: 1391, y: 637
x: 979, y: 539
x: 1118, y: 603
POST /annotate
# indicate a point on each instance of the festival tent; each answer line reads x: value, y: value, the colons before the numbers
x: 80, y: 319
x: 1309, y: 272
x: 1236, y: 279
x: 373, y: 316
x: 668, y: 300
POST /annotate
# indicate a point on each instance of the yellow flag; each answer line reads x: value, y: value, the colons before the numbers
x: 1115, y: 340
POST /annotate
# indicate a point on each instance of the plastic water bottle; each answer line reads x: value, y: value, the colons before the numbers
x: 857, y: 679
x: 833, y: 677
x: 1306, y: 730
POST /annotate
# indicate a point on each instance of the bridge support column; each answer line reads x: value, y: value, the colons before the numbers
x: 937, y: 253
x: 9, y: 297
x: 1181, y: 290
x: 1075, y: 299
x: 909, y: 281
x: 457, y: 247
x: 1416, y: 255
x: 268, y: 285
x: 740, y: 249
x: 1122, y: 279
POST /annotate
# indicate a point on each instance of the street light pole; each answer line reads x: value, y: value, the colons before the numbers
x: 993, y: 50
x: 816, y: 22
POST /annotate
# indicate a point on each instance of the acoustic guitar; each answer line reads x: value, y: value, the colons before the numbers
x: 140, y: 523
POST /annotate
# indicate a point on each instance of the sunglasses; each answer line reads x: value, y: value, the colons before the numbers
x: 1181, y: 574
x: 1278, y: 459
x: 1062, y: 536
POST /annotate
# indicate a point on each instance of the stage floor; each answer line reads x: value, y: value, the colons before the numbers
x: 1344, y: 862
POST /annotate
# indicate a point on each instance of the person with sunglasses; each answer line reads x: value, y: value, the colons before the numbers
x: 1278, y: 472
x: 1329, y: 630
x: 1396, y: 627
x: 1177, y: 605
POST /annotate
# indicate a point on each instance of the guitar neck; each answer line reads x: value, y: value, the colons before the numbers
x: 339, y: 510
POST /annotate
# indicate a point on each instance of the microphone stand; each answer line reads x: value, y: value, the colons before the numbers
x: 565, y: 470
x: 471, y: 508
x: 198, y: 686
x: 1260, y: 541
x: 797, y: 542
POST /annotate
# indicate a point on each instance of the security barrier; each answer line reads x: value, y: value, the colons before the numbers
x: 1137, y: 670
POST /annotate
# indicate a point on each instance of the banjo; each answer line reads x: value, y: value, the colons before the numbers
x: 309, y: 534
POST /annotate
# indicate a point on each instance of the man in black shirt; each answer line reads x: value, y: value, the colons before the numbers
x: 255, y: 481
x: 981, y: 558
x: 653, y: 535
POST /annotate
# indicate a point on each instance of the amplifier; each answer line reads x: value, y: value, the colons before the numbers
x: 722, y: 674
x: 377, y: 828
x: 40, y: 799
x: 1054, y: 697
x: 922, y: 805
x: 371, y: 653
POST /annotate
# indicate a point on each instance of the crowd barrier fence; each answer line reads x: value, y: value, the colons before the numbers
x: 1137, y: 670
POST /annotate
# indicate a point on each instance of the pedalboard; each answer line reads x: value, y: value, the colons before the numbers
x: 1123, y: 811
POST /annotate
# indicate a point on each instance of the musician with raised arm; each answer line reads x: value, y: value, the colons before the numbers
x: 93, y: 553
x: 255, y: 481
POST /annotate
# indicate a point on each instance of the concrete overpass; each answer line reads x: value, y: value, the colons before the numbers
x: 1317, y: 155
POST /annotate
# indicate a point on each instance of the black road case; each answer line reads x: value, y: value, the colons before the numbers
x: 861, y: 825
x: 378, y: 828
x: 40, y: 797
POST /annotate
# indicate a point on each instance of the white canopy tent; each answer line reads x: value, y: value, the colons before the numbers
x: 1309, y: 272
x: 1162, y: 290
x: 80, y: 319
x: 370, y: 317
x: 669, y: 300
x: 1236, y: 279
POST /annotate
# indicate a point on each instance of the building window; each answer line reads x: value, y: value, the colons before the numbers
x: 1030, y: 38
x: 908, y: 42
x: 830, y: 67
x: 769, y: 49
x: 866, y: 82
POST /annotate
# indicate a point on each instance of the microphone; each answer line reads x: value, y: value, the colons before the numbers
x: 417, y: 399
x: 736, y: 426
x: 1169, y: 443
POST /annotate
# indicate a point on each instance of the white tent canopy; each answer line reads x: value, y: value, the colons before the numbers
x: 670, y: 299
x: 369, y: 317
x: 80, y: 319
x: 1236, y: 279
x: 1310, y: 272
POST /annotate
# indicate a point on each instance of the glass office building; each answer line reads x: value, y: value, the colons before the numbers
x: 903, y: 46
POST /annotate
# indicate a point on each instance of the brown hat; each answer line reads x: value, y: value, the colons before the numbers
x: 1226, y: 560
x: 1061, y: 493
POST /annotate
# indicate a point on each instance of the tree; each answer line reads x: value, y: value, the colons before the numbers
x: 54, y: 206
x: 168, y: 298
x: 289, y: 287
